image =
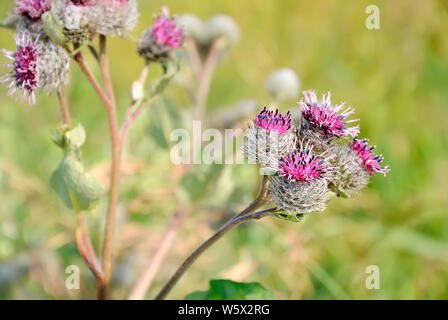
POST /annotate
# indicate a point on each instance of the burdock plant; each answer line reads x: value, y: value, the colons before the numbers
x: 304, y: 162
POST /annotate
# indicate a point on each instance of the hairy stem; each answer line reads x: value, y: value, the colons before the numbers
x: 205, y: 80
x: 259, y: 201
x: 89, y: 75
x: 116, y: 147
x: 65, y: 111
x: 109, y: 103
x: 207, y: 244
x: 84, y: 245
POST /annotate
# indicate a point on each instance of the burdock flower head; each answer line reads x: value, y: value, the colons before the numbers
x: 36, y: 65
x: 300, y: 187
x: 32, y: 9
x: 113, y: 17
x: 24, y: 75
x: 322, y: 123
x: 29, y: 13
x: 356, y: 165
x: 270, y: 138
x: 161, y: 38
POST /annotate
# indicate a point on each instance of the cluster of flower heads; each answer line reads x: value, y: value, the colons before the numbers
x: 46, y: 29
x: 309, y: 161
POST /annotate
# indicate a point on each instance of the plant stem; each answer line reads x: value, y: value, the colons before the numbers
x: 83, y: 241
x: 193, y: 54
x: 104, y: 65
x: 80, y: 59
x: 109, y: 103
x: 258, y: 201
x: 144, y: 282
x: 205, y: 80
x: 103, y: 291
x: 207, y: 244
x: 65, y: 111
x: 84, y: 247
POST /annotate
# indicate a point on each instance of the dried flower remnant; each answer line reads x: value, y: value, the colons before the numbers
x: 301, y: 185
x: 370, y: 160
x: 114, y: 17
x: 270, y: 138
x: 161, y: 38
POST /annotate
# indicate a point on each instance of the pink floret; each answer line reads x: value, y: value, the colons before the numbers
x: 302, y: 165
x: 371, y: 161
x: 269, y: 120
x: 326, y: 118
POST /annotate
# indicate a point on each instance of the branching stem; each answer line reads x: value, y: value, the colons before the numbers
x: 207, y: 244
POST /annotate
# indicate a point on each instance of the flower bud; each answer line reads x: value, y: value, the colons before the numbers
x: 223, y: 26
x: 159, y: 40
x: 192, y: 26
x: 269, y: 139
x: 114, y: 17
x: 283, y: 84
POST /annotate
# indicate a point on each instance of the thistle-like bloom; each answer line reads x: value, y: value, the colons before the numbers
x: 301, y: 186
x: 24, y: 74
x: 370, y: 160
x: 166, y: 32
x: 32, y: 9
x: 322, y: 123
x: 269, y: 120
x: 37, y: 64
x: 303, y: 165
x: 161, y: 38
x: 270, y: 138
x: 114, y: 17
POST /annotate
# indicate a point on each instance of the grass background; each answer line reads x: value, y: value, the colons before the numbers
x: 396, y: 79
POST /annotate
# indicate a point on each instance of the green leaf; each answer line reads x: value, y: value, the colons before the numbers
x: 161, y: 83
x: 76, y: 188
x: 289, y: 217
x: 231, y: 290
x: 58, y: 136
x: 53, y: 29
x: 76, y: 137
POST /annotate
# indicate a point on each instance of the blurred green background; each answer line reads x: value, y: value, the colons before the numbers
x: 395, y: 77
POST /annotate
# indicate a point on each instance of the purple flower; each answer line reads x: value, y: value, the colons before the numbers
x: 269, y: 120
x: 24, y: 75
x: 325, y: 118
x: 32, y: 9
x: 165, y: 31
x: 370, y: 160
x: 303, y: 165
